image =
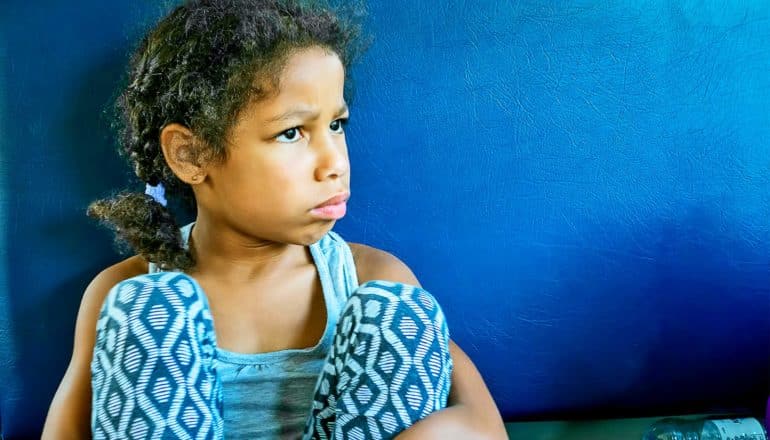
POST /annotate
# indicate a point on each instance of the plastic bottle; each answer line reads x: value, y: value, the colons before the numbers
x: 767, y: 415
x: 747, y: 428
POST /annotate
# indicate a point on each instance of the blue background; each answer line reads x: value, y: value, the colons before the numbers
x: 584, y: 185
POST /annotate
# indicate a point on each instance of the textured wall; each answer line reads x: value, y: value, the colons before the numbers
x: 585, y: 187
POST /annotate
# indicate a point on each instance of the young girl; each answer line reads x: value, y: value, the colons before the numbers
x: 238, y: 107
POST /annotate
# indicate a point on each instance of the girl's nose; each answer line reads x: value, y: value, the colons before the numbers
x: 332, y: 158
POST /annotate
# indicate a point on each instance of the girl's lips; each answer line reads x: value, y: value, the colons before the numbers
x: 333, y: 208
x: 331, y: 212
x: 339, y: 198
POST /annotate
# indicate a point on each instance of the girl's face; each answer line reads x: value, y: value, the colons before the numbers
x: 285, y: 156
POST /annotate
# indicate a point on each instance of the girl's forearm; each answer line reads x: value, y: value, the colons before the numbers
x: 468, y: 387
x: 471, y: 414
x: 471, y: 411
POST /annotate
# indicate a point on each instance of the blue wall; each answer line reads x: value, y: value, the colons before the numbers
x: 585, y: 186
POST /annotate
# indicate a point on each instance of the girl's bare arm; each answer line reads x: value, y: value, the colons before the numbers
x: 69, y: 416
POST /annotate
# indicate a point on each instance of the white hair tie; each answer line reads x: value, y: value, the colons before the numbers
x: 157, y: 192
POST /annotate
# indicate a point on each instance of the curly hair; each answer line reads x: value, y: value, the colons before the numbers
x: 198, y: 67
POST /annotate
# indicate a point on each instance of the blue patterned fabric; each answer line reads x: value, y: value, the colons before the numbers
x: 156, y: 369
x: 153, y: 374
x: 388, y: 368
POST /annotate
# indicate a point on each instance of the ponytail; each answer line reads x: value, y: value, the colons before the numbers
x: 146, y: 226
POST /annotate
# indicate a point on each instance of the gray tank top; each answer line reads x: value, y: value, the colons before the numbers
x: 269, y: 395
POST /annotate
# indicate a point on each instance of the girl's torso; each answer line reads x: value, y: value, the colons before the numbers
x: 268, y: 394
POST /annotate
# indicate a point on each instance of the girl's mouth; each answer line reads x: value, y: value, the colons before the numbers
x: 333, y: 208
x: 331, y: 212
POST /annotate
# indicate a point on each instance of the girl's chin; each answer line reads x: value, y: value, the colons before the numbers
x: 319, y: 230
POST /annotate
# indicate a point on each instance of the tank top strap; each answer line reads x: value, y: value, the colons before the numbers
x: 333, y: 252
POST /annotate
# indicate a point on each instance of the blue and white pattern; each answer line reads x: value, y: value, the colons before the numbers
x: 389, y: 366
x: 153, y: 374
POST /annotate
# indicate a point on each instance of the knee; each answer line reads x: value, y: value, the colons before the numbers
x: 155, y: 304
x: 410, y: 311
x: 399, y: 295
x: 148, y: 292
x: 399, y: 332
x: 163, y: 315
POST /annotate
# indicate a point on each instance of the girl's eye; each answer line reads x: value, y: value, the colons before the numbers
x: 338, y: 126
x: 289, y: 136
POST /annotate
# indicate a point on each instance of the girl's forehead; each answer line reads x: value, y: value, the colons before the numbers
x: 312, y: 79
x: 313, y: 66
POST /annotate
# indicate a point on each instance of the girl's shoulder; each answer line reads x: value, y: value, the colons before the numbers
x: 128, y: 268
x: 377, y: 264
x: 112, y: 275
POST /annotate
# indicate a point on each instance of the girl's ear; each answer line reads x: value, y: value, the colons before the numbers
x: 180, y: 150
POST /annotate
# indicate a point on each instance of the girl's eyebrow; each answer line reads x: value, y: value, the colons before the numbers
x: 304, y: 113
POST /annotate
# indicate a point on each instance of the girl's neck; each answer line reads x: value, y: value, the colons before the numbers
x: 228, y: 254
